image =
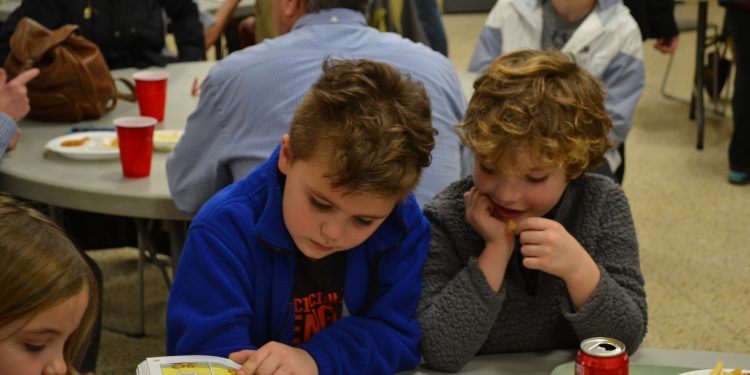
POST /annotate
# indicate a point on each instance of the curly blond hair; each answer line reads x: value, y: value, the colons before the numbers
x: 541, y: 101
x: 374, y: 125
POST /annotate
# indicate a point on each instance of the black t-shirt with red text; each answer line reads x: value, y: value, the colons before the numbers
x: 318, y: 294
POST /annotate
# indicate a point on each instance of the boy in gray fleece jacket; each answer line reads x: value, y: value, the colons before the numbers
x: 531, y: 253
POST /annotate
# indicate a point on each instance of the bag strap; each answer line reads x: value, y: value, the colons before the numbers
x: 112, y: 102
x: 131, y: 87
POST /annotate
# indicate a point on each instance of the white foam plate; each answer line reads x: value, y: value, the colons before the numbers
x: 96, y: 145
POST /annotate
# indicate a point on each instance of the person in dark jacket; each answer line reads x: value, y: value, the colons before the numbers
x: 129, y: 34
x: 656, y: 20
x: 738, y: 21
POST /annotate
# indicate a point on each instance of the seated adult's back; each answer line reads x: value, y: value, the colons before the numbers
x: 247, y: 102
x: 129, y: 33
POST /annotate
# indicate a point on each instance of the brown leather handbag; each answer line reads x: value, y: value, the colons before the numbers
x: 74, y: 82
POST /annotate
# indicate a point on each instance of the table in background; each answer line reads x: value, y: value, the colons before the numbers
x: 543, y: 363
x: 98, y: 186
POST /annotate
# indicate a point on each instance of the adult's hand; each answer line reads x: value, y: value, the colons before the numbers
x: 14, y: 141
x: 13, y: 94
x: 667, y: 45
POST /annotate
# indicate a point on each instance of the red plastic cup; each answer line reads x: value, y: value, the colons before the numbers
x: 135, y: 138
x: 151, y: 91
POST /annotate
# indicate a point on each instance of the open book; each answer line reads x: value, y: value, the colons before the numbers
x: 187, y: 365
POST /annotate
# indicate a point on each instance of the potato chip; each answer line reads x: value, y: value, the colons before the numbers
x: 512, y: 225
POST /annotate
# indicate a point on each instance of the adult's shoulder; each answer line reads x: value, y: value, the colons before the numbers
x: 256, y: 61
x: 397, y: 48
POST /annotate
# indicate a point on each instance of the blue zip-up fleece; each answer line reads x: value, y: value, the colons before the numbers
x: 233, y: 287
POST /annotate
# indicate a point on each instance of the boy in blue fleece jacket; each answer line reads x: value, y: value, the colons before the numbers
x: 312, y: 264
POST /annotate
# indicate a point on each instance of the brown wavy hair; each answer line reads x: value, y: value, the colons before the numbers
x: 40, y: 268
x: 374, y: 124
x: 540, y: 100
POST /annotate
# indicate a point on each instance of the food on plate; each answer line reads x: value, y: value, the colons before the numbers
x: 167, y: 136
x: 112, y: 143
x: 75, y: 142
x: 718, y: 370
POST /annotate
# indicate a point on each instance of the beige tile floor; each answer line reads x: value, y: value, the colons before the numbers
x: 693, y: 227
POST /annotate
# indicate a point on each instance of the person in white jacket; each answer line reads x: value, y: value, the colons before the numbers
x: 601, y: 36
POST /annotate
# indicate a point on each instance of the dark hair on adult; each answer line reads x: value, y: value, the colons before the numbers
x: 373, y: 124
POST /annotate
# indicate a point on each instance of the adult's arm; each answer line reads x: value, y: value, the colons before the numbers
x: 223, y: 15
x: 187, y: 29
x: 655, y: 17
x: 624, y: 79
x: 196, y: 169
x: 8, y: 130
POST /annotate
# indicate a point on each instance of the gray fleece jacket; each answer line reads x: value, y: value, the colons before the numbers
x: 461, y: 316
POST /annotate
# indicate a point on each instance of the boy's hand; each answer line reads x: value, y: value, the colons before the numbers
x: 497, y: 237
x: 479, y: 214
x: 275, y: 358
x: 14, y: 141
x: 548, y: 247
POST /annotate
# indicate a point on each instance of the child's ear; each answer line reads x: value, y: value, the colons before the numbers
x: 285, y: 155
x: 571, y: 178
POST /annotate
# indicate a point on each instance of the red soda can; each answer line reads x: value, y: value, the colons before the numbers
x: 602, y: 356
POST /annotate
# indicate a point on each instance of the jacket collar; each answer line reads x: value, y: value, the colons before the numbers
x: 272, y: 230
x: 270, y: 225
x: 341, y: 16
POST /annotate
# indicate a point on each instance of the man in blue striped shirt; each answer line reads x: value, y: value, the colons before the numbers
x: 248, y: 99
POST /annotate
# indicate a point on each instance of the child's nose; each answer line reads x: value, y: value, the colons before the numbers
x: 332, y: 230
x: 506, y: 193
x: 57, y: 366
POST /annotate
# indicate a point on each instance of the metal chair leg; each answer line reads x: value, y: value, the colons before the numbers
x: 147, y: 254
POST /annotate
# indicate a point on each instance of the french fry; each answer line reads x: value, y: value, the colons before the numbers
x: 737, y: 371
x: 75, y: 142
x: 717, y: 369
